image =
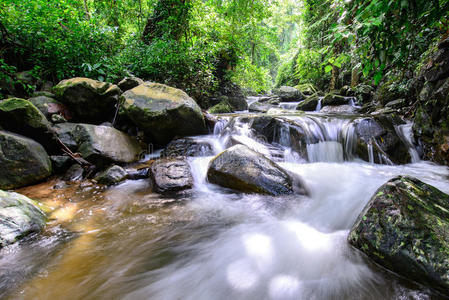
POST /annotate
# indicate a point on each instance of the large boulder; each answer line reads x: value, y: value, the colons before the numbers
x: 89, y: 100
x: 332, y: 99
x: 171, y: 175
x: 102, y: 145
x: 405, y: 228
x: 19, y: 216
x: 163, y: 112
x: 260, y: 107
x: 22, y: 160
x: 187, y: 147
x: 310, y: 104
x: 245, y: 170
x: 64, y: 132
x: 22, y: 117
x: 288, y: 94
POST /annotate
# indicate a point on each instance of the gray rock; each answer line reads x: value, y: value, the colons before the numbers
x: 260, y: 107
x: 163, y: 112
x: 288, y: 94
x: 112, y: 175
x: 332, y: 99
x: 19, y: 216
x: 102, y: 145
x: 245, y: 170
x: 89, y: 100
x: 338, y: 109
x: 60, y: 163
x: 171, y: 175
x: 64, y: 131
x: 187, y: 147
x: 405, y: 228
x: 22, y: 160
x: 74, y: 173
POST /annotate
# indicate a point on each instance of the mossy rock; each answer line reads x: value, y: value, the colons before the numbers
x: 309, y: 104
x: 19, y: 216
x: 405, y: 228
x: 221, y: 108
x: 22, y: 160
x: 22, y: 117
x: 89, y: 100
x: 163, y: 112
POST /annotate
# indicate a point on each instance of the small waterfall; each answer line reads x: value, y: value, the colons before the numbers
x: 220, y: 125
x: 405, y: 132
x: 288, y: 105
x: 318, y: 105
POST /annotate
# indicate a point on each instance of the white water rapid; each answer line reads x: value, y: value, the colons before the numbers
x: 290, y: 247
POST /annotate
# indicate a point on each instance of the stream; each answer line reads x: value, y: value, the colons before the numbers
x: 125, y: 242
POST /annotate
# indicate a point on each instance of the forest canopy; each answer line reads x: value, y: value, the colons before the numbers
x: 197, y: 45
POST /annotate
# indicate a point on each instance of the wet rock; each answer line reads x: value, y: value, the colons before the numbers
x: 128, y: 83
x: 22, y: 117
x: 49, y: 107
x: 288, y: 94
x: 102, y: 145
x: 309, y: 104
x: 64, y: 132
x: 237, y: 103
x: 171, y: 175
x: 405, y: 228
x: 163, y: 112
x: 260, y: 107
x: 221, y: 108
x: 89, y: 100
x: 338, y: 109
x: 22, y: 160
x: 112, y: 175
x: 245, y: 170
x: 60, y: 163
x: 332, y: 99
x: 19, y: 216
x: 74, y: 173
x: 380, y: 133
x: 187, y: 147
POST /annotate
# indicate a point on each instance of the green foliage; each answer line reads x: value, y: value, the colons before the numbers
x: 249, y: 76
x: 54, y: 37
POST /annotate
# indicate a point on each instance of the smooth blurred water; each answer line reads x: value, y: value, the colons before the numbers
x: 212, y: 243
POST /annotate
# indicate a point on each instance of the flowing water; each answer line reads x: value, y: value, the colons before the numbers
x: 212, y: 243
